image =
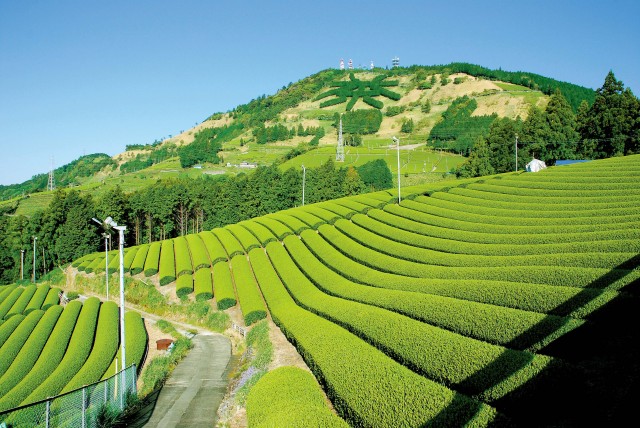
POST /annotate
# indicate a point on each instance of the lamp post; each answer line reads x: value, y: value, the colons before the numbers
x: 107, y: 224
x: 516, y: 152
x: 304, y: 176
x: 21, y: 264
x: 106, y: 261
x: 35, y: 238
x: 397, y: 141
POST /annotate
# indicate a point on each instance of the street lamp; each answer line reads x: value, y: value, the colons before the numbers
x: 304, y: 174
x: 35, y: 238
x: 106, y: 237
x: 21, y: 264
x: 397, y: 141
x: 108, y: 224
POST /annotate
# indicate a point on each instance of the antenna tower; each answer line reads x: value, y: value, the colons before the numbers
x: 340, y: 151
x: 350, y: 64
x: 341, y: 64
x: 395, y: 62
x: 51, y: 185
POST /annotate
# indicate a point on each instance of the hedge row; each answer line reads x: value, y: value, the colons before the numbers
x: 129, y: 256
x: 9, y: 301
x: 366, y: 387
x: 289, y: 397
x: 338, y: 209
x: 38, y: 299
x: 114, y: 262
x: 182, y: 254
x: 5, y: 291
x: 137, y: 342
x: 137, y: 265
x: 551, y: 275
x: 215, y: 249
x: 199, y: 254
x: 412, y: 247
x: 151, y: 262
x: 495, y: 186
x: 531, y: 297
x: 249, y: 297
x: 261, y: 232
x: 291, y: 222
x: 451, y: 359
x: 53, y: 298
x: 593, y: 186
x: 278, y: 229
x: 184, y: 285
x: 23, y: 301
x: 75, y: 353
x: 82, y: 266
x: 48, y: 359
x: 203, y: 285
x: 540, y: 214
x: 323, y: 214
x: 7, y: 327
x: 440, y: 237
x: 229, y: 242
x: 246, y: 238
x: 491, y: 323
x: 23, y: 361
x: 223, y: 286
x: 307, y: 218
x: 167, y: 268
x: 16, y: 341
x: 352, y: 204
x: 96, y: 265
x: 104, y: 348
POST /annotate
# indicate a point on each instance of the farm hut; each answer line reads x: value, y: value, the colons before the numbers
x: 535, y: 165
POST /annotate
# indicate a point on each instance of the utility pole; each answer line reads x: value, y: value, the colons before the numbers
x: 516, y: 152
x: 35, y: 238
x: 304, y: 176
x: 21, y: 264
x: 397, y: 141
x: 106, y: 261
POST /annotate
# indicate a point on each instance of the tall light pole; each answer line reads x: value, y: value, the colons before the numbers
x: 21, y: 264
x: 397, y: 141
x: 35, y: 238
x: 107, y: 224
x: 106, y: 260
x: 516, y: 152
x: 304, y: 177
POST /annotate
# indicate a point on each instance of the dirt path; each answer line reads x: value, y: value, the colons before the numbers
x: 192, y: 394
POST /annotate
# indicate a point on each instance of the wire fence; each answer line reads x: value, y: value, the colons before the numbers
x: 80, y: 408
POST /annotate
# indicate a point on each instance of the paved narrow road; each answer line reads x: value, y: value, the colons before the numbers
x: 192, y: 395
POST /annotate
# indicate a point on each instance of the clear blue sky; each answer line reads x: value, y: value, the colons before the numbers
x: 81, y: 77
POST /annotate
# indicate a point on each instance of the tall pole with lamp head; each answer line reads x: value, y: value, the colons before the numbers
x: 106, y: 261
x: 304, y: 176
x: 35, y: 238
x: 397, y: 141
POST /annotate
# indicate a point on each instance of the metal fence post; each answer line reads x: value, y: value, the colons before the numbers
x: 47, y: 414
x: 84, y: 406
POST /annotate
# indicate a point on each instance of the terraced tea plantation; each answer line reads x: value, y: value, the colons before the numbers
x: 505, y: 300
x: 48, y: 349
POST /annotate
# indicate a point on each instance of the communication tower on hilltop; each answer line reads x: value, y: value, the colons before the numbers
x: 341, y: 64
x: 395, y: 62
x: 340, y: 150
x: 350, y: 64
x: 371, y: 65
x: 51, y: 185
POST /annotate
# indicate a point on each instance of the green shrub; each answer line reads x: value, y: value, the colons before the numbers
x: 203, y: 284
x: 223, y: 290
x: 167, y: 268
x: 151, y: 262
x: 16, y: 341
x: 129, y: 256
x: 263, y: 234
x: 246, y: 238
x: 38, y: 299
x: 231, y: 245
x: 184, y: 285
x: 198, y: 251
x: 215, y: 249
x: 249, y: 297
x: 53, y: 298
x: 278, y: 229
x: 394, y: 111
x: 184, y: 265
x: 137, y: 265
x: 9, y: 301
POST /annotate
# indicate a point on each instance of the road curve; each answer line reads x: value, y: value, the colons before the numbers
x: 192, y: 394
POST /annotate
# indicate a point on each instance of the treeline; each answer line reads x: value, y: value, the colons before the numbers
x: 267, y: 134
x: 145, y: 160
x: 609, y: 127
x: 169, y: 208
x: 66, y: 175
x: 458, y: 130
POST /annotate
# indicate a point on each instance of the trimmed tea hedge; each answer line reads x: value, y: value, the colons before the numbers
x: 307, y: 218
x: 278, y: 229
x: 338, y: 209
x: 167, y: 268
x: 9, y: 301
x: 53, y: 298
x: 249, y: 297
x: 289, y: 397
x: 199, y: 254
x: 229, y: 242
x: 203, y: 284
x: 223, y: 290
x: 137, y: 343
x: 137, y: 265
x: 184, y: 285
x: 184, y: 265
x: 246, y: 238
x: 7, y: 327
x: 37, y: 301
x: 323, y: 214
x: 129, y: 256
x: 263, y: 234
x: 16, y: 341
x: 215, y: 249
x: 151, y: 262
x: 291, y: 222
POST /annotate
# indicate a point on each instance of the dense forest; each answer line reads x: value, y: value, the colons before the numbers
x: 610, y: 126
x: 170, y: 208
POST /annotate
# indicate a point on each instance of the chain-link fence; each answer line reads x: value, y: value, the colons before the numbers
x: 80, y: 408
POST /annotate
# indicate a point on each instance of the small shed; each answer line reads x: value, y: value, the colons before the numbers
x: 163, y: 344
x: 535, y: 165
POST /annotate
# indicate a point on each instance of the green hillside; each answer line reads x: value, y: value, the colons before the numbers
x: 471, y: 302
